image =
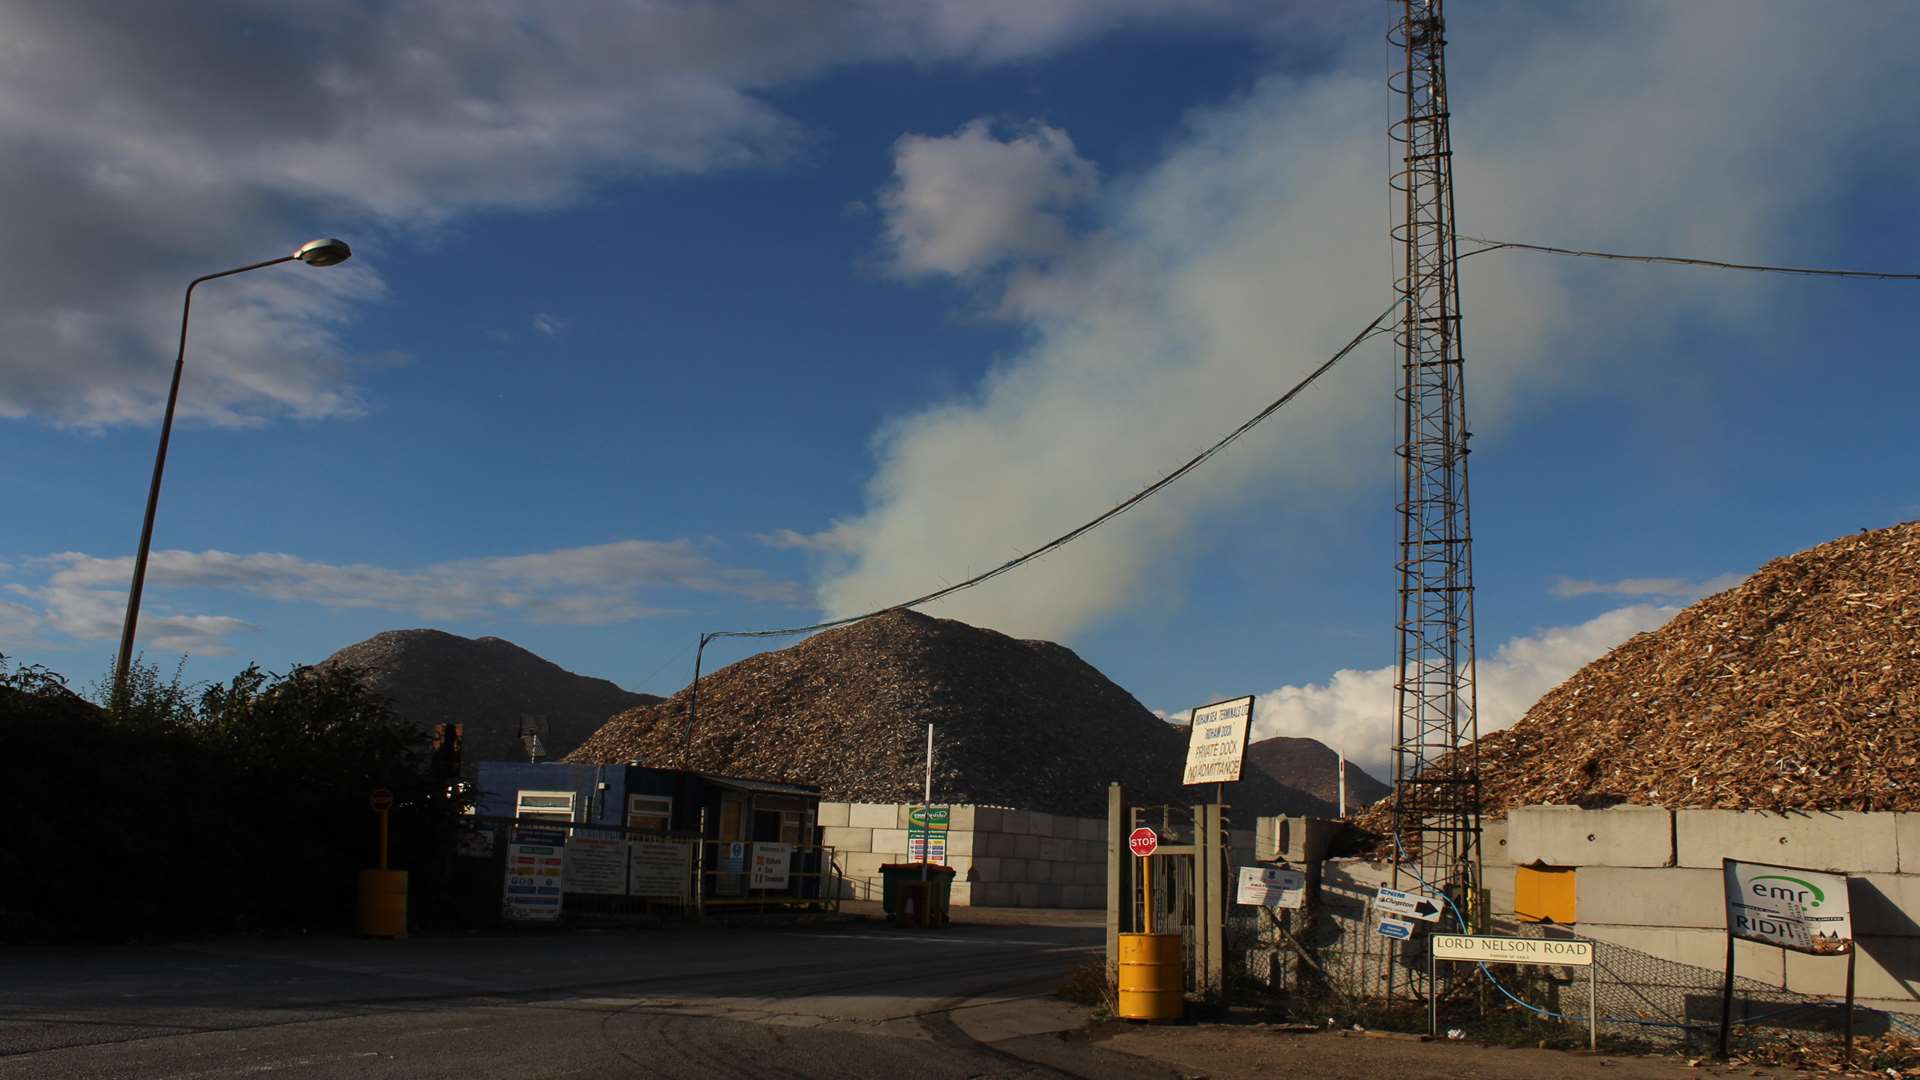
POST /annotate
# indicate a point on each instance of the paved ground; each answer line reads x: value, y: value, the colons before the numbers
x: 841, y: 999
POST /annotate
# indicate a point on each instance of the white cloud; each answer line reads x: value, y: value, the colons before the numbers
x: 838, y: 538
x: 1258, y: 245
x: 84, y: 597
x: 140, y: 148
x: 970, y: 201
x: 1354, y: 710
x: 550, y: 325
x: 1675, y: 588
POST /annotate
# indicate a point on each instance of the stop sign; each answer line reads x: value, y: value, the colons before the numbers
x: 1143, y: 842
x: 380, y: 799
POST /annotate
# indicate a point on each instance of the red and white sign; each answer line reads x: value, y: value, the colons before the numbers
x: 380, y: 800
x: 1143, y: 842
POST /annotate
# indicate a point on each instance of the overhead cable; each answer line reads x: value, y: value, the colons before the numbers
x: 1718, y: 264
x: 1074, y: 534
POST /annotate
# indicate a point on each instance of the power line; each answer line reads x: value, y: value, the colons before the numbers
x: 1074, y: 534
x: 1718, y: 264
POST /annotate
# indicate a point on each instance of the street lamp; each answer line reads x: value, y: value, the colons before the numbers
x: 313, y: 253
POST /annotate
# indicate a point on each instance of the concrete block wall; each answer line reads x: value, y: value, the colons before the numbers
x: 1002, y: 857
x: 1649, y: 879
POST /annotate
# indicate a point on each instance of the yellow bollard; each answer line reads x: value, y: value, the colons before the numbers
x: 383, y: 903
x: 1152, y: 977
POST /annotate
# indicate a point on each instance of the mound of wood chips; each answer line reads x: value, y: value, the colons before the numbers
x: 1017, y: 723
x: 1797, y: 690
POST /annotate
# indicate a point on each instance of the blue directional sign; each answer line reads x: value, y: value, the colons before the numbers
x: 1397, y: 929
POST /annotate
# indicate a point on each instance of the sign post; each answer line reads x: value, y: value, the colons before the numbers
x: 1803, y: 910
x: 1484, y: 949
x: 1217, y: 741
x: 1143, y: 842
x: 381, y: 800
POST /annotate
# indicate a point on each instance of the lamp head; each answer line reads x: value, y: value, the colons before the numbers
x: 324, y: 252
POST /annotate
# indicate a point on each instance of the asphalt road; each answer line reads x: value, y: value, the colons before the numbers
x: 835, y: 1000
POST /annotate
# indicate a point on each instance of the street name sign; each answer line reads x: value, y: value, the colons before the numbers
x: 1802, y: 910
x: 1412, y: 905
x: 1397, y: 929
x: 1272, y: 886
x: 1511, y: 950
x: 1217, y: 741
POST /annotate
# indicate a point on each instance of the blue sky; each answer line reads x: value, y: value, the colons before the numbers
x: 677, y: 318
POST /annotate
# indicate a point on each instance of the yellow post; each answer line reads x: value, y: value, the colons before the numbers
x: 383, y: 839
x: 1146, y: 895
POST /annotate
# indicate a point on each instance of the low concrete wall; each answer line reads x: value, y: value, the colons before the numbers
x: 1649, y: 879
x: 1005, y: 857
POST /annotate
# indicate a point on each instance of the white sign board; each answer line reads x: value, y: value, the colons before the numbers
x: 1270, y: 886
x: 534, y: 876
x: 595, y: 865
x: 1410, y: 905
x: 1803, y: 910
x: 1217, y: 742
x: 770, y: 864
x: 661, y: 869
x: 1512, y: 950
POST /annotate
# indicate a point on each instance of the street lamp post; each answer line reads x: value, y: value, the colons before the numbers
x: 313, y: 253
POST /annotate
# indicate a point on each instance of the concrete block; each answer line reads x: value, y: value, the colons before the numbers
x: 890, y: 842
x: 1698, y: 948
x: 1906, y: 832
x: 1056, y: 849
x: 843, y: 840
x: 1090, y: 874
x: 1499, y: 885
x: 1040, y: 870
x: 1847, y: 841
x: 1026, y: 847
x: 861, y: 864
x: 832, y: 814
x: 1652, y: 896
x: 960, y: 843
x: 873, y: 816
x: 1001, y: 844
x: 1570, y: 836
x: 1885, y: 968
x: 1013, y: 869
x: 961, y: 894
x: 1885, y: 905
x: 992, y: 894
x: 961, y: 818
x: 985, y: 870
x: 1493, y: 844
x: 1013, y: 822
x: 988, y: 819
x: 960, y: 866
x: 1026, y: 894
x: 1081, y: 896
x: 1039, y: 824
x: 1088, y: 828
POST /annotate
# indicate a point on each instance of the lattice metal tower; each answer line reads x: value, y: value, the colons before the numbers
x: 1436, y: 807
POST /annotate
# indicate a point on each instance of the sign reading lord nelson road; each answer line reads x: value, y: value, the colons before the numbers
x: 1217, y: 741
x: 1512, y: 950
x: 1802, y: 910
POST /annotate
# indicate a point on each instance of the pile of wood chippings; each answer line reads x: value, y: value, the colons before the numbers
x: 1017, y: 723
x: 1797, y: 690
x: 1891, y: 1055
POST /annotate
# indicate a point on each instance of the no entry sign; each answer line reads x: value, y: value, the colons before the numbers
x: 380, y: 799
x: 1143, y: 842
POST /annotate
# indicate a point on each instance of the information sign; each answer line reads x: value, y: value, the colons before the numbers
x: 1803, y: 910
x: 770, y: 865
x: 1411, y: 905
x: 1272, y: 886
x: 1397, y: 929
x: 1217, y: 741
x: 927, y: 828
x: 535, y: 874
x: 1512, y: 950
x: 596, y: 865
x: 660, y: 869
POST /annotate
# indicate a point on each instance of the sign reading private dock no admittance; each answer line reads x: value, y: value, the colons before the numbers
x: 1217, y: 741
